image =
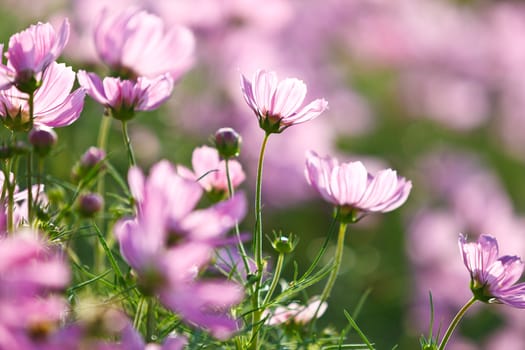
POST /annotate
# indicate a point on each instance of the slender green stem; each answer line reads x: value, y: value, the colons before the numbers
x: 337, y: 262
x: 150, y: 320
x: 240, y: 245
x: 127, y: 141
x: 257, y: 245
x: 103, y: 132
x: 102, y: 142
x: 139, y: 312
x: 29, y: 188
x: 10, y: 196
x: 331, y: 231
x: 31, y: 103
x: 40, y: 171
x: 258, y: 212
x: 275, y: 280
x: 455, y: 322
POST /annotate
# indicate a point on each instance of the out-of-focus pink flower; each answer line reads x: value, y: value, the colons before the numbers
x: 205, y: 303
x: 54, y: 103
x: 29, y: 273
x: 136, y: 43
x: 493, y: 278
x: 32, y: 50
x: 277, y: 104
x: 460, y: 103
x: 168, y: 242
x: 211, y: 171
x: 20, y: 202
x: 166, y: 205
x: 170, y: 343
x: 295, y: 313
x: 350, y: 186
x: 229, y: 261
x: 124, y: 97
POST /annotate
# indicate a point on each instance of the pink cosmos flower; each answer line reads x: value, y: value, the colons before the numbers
x: 277, y: 104
x: 54, y: 103
x: 210, y: 171
x: 32, y: 50
x: 295, y: 313
x: 124, y: 97
x: 136, y: 43
x: 169, y: 242
x: 350, y: 186
x: 493, y: 278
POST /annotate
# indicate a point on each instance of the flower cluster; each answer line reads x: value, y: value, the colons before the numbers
x: 145, y: 75
x: 37, y: 89
x: 161, y: 261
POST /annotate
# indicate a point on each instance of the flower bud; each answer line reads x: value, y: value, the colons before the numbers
x: 228, y: 143
x: 89, y: 204
x: 92, y: 157
x: 43, y: 139
x: 284, y: 244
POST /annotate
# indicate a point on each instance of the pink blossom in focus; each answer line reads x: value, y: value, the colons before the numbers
x: 349, y: 185
x: 32, y: 50
x: 493, y: 278
x: 277, y: 104
x: 469, y: 191
x: 136, y: 43
x: 54, y: 103
x: 124, y: 97
x: 210, y: 170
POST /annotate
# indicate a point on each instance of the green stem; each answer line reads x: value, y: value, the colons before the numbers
x: 331, y: 231
x: 455, y: 322
x: 240, y: 246
x: 150, y: 320
x: 138, y: 312
x: 102, y: 141
x: 257, y: 244
x: 10, y: 196
x: 30, y: 163
x: 275, y: 280
x: 337, y: 263
x: 103, y: 132
x: 127, y: 141
x: 40, y: 170
x: 258, y: 212
x: 29, y: 188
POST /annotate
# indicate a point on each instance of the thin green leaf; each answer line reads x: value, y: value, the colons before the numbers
x: 358, y: 330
